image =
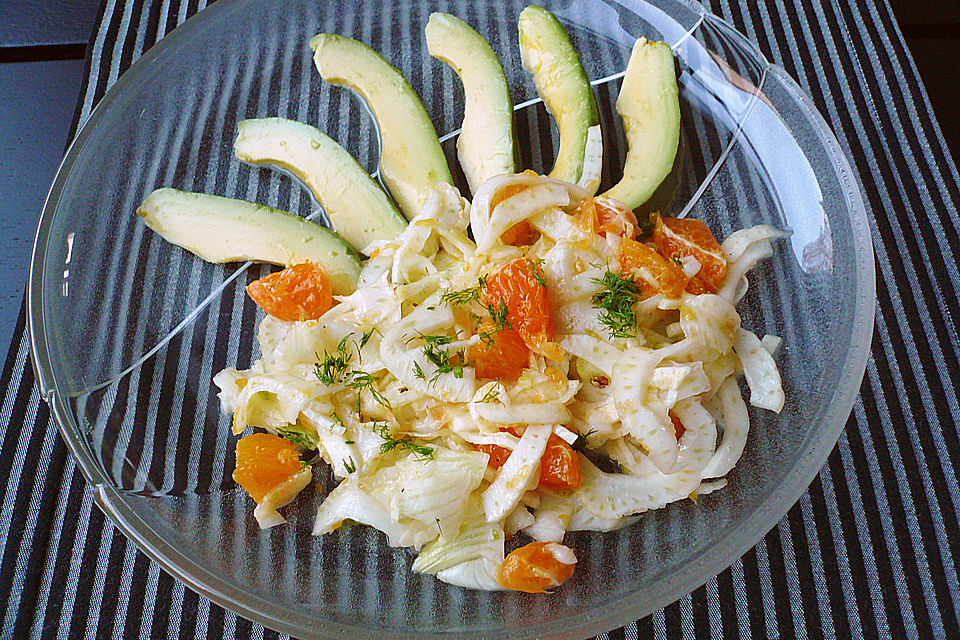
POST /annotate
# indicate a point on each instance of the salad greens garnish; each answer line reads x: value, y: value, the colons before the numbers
x: 617, y: 303
x: 441, y: 358
x: 421, y: 451
x: 296, y: 437
x: 361, y: 380
x: 465, y: 296
x: 332, y: 367
x: 349, y: 465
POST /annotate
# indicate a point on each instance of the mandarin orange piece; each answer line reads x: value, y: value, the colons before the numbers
x: 662, y: 275
x: 501, y: 355
x: 678, y: 427
x: 613, y: 217
x: 521, y: 286
x: 498, y: 455
x: 559, y: 466
x: 300, y: 292
x: 536, y: 567
x: 678, y: 238
x: 521, y: 234
x: 264, y: 461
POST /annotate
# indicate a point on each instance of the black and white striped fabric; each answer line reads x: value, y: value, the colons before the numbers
x: 868, y: 551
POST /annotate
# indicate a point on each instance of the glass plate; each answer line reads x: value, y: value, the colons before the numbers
x: 127, y: 330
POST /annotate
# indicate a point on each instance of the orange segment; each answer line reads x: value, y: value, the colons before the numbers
x: 521, y: 286
x: 264, y: 461
x: 503, y: 356
x: 300, y: 292
x: 535, y: 567
x: 678, y: 238
x: 605, y: 216
x: 522, y: 233
x: 559, y: 464
x: 614, y: 217
x: 648, y: 266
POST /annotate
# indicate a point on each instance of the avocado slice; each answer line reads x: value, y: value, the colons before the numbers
x: 411, y: 160
x: 355, y: 204
x: 649, y: 105
x: 548, y: 55
x: 226, y: 230
x: 485, y: 143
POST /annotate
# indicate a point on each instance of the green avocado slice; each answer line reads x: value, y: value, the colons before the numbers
x: 411, y: 160
x: 549, y: 56
x: 226, y: 230
x: 355, y: 204
x: 649, y: 105
x: 485, y: 144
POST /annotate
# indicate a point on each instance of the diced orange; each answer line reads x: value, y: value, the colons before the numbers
x: 559, y: 464
x: 585, y: 215
x: 533, y: 568
x: 264, y: 462
x: 300, y: 292
x: 498, y: 455
x: 521, y: 234
x: 503, y: 355
x: 518, y: 285
x: 678, y: 238
x: 678, y: 427
x: 614, y: 217
x: 603, y: 216
x: 648, y: 266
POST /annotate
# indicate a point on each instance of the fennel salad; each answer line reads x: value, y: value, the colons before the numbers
x: 501, y: 369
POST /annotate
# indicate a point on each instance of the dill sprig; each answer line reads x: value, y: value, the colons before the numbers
x: 465, y: 296
x: 441, y: 358
x: 422, y: 451
x: 492, y: 395
x: 498, y: 314
x: 361, y: 380
x: 298, y: 438
x: 536, y: 270
x: 616, y: 302
x: 332, y: 367
x: 349, y: 465
x: 364, y: 339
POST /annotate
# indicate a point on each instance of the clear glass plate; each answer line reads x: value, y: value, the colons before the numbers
x: 128, y: 330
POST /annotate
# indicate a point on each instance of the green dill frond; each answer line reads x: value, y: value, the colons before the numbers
x: 536, y: 270
x: 498, y: 314
x: 298, y: 438
x: 465, y: 296
x: 492, y: 395
x: 333, y: 366
x: 350, y: 465
x: 422, y: 451
x: 361, y: 380
x: 616, y: 303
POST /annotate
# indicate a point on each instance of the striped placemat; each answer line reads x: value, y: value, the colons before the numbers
x: 867, y: 552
